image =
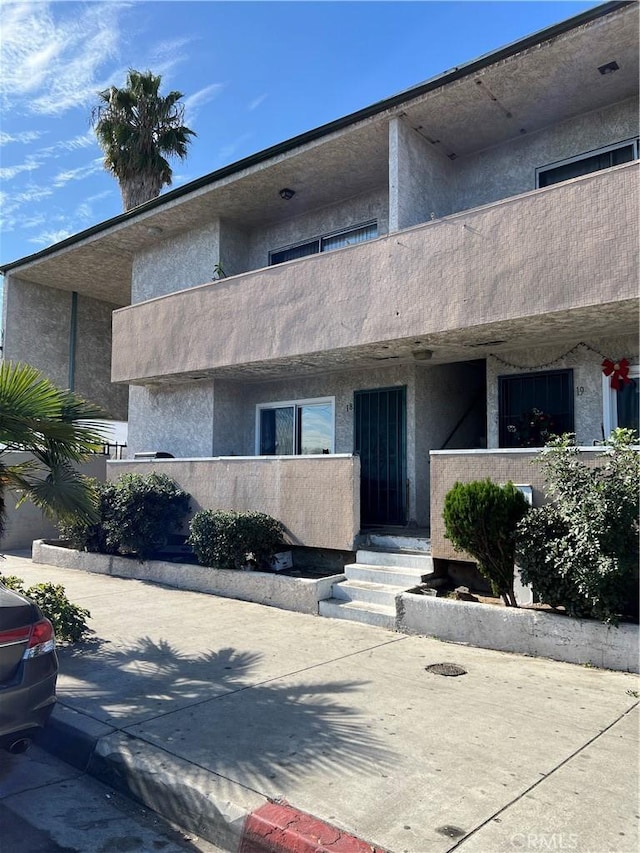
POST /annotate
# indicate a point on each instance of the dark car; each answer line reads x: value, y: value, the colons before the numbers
x: 28, y: 670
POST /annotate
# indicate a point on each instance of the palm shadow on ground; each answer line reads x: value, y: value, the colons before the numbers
x: 207, y: 709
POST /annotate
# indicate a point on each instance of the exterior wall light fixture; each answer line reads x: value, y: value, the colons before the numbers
x: 287, y: 194
x: 609, y: 67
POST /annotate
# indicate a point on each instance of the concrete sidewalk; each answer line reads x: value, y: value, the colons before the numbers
x: 209, y: 709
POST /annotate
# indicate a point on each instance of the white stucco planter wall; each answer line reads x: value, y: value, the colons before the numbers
x: 527, y: 632
x: 287, y: 593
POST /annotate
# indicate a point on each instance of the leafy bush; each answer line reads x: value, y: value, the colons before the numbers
x: 231, y: 540
x: 581, y: 551
x: 84, y: 536
x: 137, y: 516
x: 69, y: 620
x: 481, y: 518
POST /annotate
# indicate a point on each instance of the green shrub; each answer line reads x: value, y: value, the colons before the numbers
x: 231, y: 540
x: 137, y: 516
x: 581, y: 551
x: 481, y: 518
x: 84, y: 536
x: 69, y: 620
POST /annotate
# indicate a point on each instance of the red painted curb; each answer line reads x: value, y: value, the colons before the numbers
x: 278, y: 827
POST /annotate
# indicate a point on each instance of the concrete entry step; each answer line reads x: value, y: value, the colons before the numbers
x: 393, y: 576
x: 364, y: 591
x: 405, y: 559
x: 416, y: 540
x: 367, y: 613
x: 372, y: 583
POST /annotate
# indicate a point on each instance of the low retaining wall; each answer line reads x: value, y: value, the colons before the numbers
x: 527, y: 632
x: 287, y: 593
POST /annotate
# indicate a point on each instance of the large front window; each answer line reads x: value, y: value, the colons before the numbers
x: 302, y: 427
x: 535, y: 406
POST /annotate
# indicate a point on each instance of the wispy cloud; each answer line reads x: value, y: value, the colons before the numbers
x: 7, y: 173
x: 23, y: 137
x: 256, y: 102
x: 228, y: 152
x: 78, y: 174
x: 195, y: 102
x: 165, y: 55
x: 83, y: 140
x: 41, y: 156
x: 65, y: 223
x: 52, y: 53
x: 48, y: 238
x: 18, y: 208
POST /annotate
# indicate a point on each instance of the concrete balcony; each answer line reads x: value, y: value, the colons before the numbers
x: 549, y: 264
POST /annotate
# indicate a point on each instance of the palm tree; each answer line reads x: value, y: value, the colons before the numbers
x: 137, y: 128
x: 56, y: 428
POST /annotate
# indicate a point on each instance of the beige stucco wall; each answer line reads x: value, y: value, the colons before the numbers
x: 421, y: 178
x: 500, y: 466
x: 234, y: 248
x: 182, y: 261
x: 551, y: 250
x: 317, y: 499
x: 177, y: 419
x: 510, y: 168
x: 37, y: 331
x: 27, y: 523
x: 586, y: 362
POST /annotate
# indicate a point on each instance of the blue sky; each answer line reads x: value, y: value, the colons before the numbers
x: 253, y: 74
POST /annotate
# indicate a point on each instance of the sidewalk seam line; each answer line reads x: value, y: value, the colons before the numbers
x: 543, y: 778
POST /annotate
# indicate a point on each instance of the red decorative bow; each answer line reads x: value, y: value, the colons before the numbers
x: 618, y: 371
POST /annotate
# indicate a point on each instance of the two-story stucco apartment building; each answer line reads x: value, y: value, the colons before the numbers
x: 402, y: 288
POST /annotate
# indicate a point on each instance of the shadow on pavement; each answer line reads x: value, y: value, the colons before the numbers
x: 203, y: 708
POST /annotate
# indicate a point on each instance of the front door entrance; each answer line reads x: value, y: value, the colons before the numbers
x: 381, y: 441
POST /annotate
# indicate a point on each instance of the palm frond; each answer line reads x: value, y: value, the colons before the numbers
x: 63, y: 493
x: 56, y: 428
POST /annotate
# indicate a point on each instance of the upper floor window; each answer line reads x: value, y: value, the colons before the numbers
x: 584, y: 164
x: 326, y: 243
x: 293, y: 428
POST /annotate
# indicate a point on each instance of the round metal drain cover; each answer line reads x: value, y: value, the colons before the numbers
x: 446, y: 669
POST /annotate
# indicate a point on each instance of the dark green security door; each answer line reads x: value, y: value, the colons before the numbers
x: 380, y: 441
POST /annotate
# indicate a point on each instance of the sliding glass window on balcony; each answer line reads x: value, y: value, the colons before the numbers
x: 288, y: 429
x: 585, y: 164
x: 327, y: 243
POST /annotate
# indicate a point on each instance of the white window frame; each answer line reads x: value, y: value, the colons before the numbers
x: 297, y: 403
x: 585, y: 155
x: 610, y: 400
x: 321, y: 239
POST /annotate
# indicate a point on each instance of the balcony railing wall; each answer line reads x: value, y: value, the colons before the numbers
x: 569, y: 246
x: 316, y: 498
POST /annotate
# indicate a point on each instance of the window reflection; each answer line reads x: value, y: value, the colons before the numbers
x: 299, y: 428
